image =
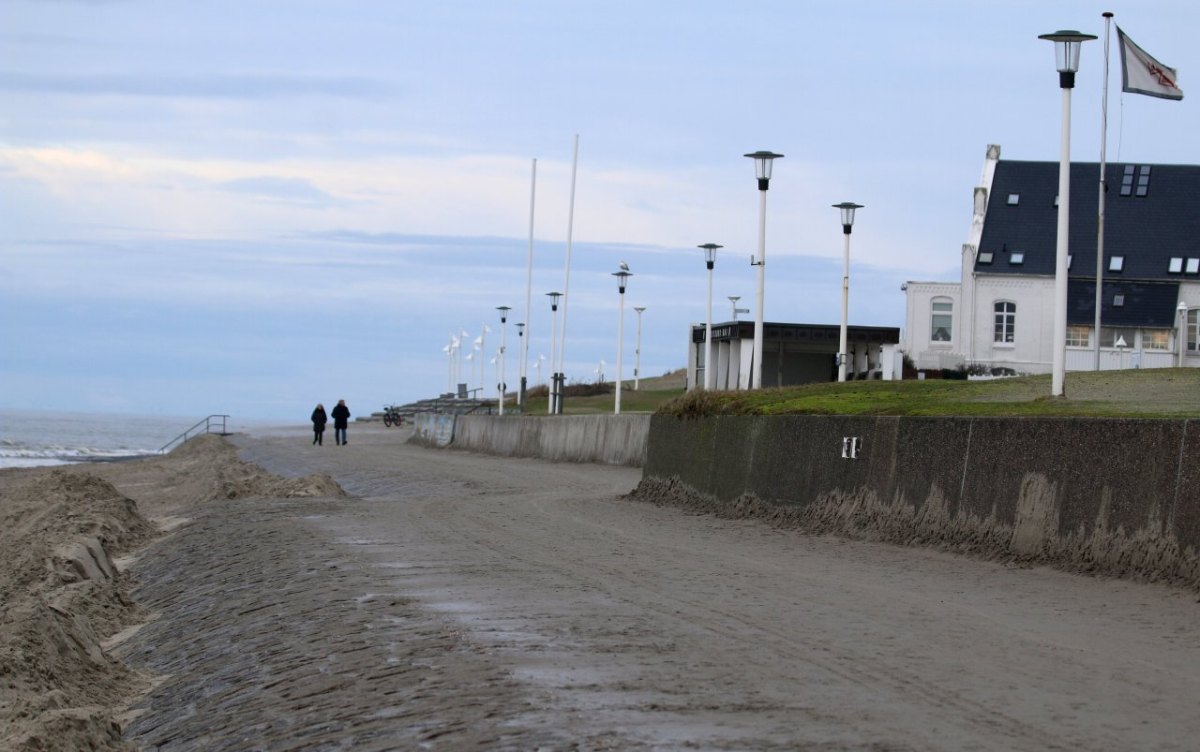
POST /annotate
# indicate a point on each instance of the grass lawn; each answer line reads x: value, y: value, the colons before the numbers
x: 1147, y: 393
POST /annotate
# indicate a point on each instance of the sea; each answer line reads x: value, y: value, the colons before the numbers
x: 36, y: 438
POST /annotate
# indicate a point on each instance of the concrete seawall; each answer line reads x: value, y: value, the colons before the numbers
x: 1103, y: 495
x: 608, y: 439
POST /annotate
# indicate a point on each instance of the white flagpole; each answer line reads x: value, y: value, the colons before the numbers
x: 1103, y: 189
x: 562, y: 332
x: 528, y: 289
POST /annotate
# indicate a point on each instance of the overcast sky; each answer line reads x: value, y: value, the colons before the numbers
x: 249, y: 207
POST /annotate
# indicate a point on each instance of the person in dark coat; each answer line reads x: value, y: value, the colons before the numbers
x: 319, y: 420
x: 341, y: 418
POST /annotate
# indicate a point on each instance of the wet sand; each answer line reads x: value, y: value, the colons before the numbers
x: 457, y: 601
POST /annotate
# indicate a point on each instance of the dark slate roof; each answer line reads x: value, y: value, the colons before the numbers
x: 1144, y: 304
x: 1147, y: 230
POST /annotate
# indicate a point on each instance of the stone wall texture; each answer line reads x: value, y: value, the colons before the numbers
x: 609, y: 439
x: 1114, y: 496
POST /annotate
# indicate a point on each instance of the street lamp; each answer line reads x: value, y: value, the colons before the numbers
x: 637, y: 353
x: 847, y: 208
x: 710, y: 258
x: 622, y: 280
x: 762, y: 169
x: 554, y: 397
x: 521, y: 367
x: 503, y: 331
x: 1066, y: 53
x: 1183, y: 314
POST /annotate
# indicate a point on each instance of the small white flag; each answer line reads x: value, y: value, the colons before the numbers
x: 1142, y: 74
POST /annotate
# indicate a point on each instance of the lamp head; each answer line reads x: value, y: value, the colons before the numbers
x: 622, y: 279
x: 1066, y: 53
x: 710, y: 253
x: 503, y: 312
x: 554, y: 298
x: 847, y: 208
x: 762, y: 166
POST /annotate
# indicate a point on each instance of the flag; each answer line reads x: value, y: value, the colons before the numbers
x: 1142, y: 74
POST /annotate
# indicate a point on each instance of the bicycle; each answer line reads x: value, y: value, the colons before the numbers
x: 392, y: 416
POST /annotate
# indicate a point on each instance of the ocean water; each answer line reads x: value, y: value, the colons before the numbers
x: 33, y: 438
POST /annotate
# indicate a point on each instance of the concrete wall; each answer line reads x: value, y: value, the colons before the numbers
x: 610, y: 439
x: 433, y: 429
x: 1108, y: 495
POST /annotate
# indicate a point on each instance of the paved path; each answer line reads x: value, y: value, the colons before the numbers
x: 471, y: 602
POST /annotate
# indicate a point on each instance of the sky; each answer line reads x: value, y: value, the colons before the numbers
x: 250, y: 207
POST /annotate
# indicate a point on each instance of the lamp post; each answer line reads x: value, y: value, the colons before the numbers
x: 710, y: 258
x: 521, y: 367
x: 637, y: 353
x: 538, y: 365
x: 553, y: 396
x: 1183, y: 312
x: 762, y: 169
x: 847, y: 208
x: 622, y: 280
x: 733, y: 299
x: 503, y: 330
x: 1066, y: 54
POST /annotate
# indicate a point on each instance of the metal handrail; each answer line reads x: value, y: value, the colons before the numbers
x: 206, y: 422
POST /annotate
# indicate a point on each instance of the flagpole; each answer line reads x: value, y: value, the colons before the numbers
x: 1103, y: 189
x: 528, y: 289
x: 562, y: 332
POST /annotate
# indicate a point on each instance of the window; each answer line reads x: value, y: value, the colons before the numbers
x: 985, y: 257
x: 1014, y: 199
x: 1070, y: 259
x: 1143, y: 184
x: 1156, y: 339
x: 1175, y: 265
x: 1117, y: 336
x: 1118, y: 301
x: 1193, y: 265
x: 941, y: 318
x: 1006, y: 320
x: 1127, y: 181
x: 1079, y: 336
x: 1193, y: 330
x: 1016, y: 258
x: 1116, y: 263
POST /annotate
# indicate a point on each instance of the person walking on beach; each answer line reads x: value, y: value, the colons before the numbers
x: 341, y: 417
x: 319, y: 420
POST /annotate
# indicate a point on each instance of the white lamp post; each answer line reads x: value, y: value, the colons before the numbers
x: 622, y: 280
x: 847, y: 208
x: 1066, y: 53
x: 521, y: 365
x: 503, y: 331
x: 733, y: 299
x: 762, y: 169
x: 538, y: 365
x: 710, y: 258
x: 1183, y: 312
x: 553, y: 396
x: 637, y: 353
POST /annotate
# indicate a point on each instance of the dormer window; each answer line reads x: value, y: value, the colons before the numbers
x: 1175, y: 265
x: 1014, y: 199
x: 1116, y: 263
x: 985, y: 257
x: 1016, y: 258
x: 1070, y: 259
x: 1118, y: 301
x: 1193, y: 265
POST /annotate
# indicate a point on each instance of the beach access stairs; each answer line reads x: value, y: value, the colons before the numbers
x: 218, y: 424
x: 445, y: 405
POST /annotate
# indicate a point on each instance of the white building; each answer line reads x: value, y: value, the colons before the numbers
x: 999, y: 313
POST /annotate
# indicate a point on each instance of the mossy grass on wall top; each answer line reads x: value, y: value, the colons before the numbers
x: 1141, y: 393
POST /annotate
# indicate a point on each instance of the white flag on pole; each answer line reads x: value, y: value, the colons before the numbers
x: 1142, y: 74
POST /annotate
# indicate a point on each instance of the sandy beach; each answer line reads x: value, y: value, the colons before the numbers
x: 263, y: 593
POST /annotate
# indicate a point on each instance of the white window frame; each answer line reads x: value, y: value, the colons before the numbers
x: 1073, y: 338
x: 933, y: 314
x: 1004, y: 323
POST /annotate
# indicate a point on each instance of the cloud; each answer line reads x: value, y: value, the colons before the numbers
x: 237, y: 86
x: 286, y: 190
